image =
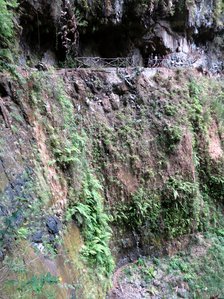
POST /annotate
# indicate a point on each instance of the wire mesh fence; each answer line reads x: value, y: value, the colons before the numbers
x: 86, y: 62
x: 172, y: 61
x: 123, y: 62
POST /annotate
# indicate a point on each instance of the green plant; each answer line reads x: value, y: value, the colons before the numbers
x: 142, y: 211
x: 9, y: 229
x: 216, y: 187
x: 6, y: 31
x: 217, y: 106
x: 196, y: 107
x: 141, y: 262
x: 145, y: 208
x: 173, y: 135
x: 81, y: 22
x: 207, y: 272
x: 6, y: 20
x: 127, y: 271
x: 199, y: 268
x: 94, y: 224
x: 218, y: 12
x: 180, y: 206
x: 67, y: 151
x: 15, y: 264
x: 23, y: 232
x: 85, y: 199
x: 178, y: 263
x: 36, y: 285
x: 67, y: 147
x: 148, y: 273
x: 170, y: 110
x: 70, y: 152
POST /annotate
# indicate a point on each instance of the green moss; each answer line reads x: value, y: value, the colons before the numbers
x: 206, y: 97
x: 218, y: 12
x: 37, y: 286
x: 173, y: 135
x: 6, y: 20
x: 6, y: 31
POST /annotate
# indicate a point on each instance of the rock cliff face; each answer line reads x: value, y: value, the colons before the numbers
x: 153, y: 140
x: 99, y: 166
x: 122, y: 28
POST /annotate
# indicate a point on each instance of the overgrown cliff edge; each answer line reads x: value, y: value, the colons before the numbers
x: 111, y: 178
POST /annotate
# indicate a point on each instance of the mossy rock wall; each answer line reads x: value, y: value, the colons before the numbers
x: 137, y: 151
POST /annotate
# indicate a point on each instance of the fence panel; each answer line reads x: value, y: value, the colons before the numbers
x: 124, y: 62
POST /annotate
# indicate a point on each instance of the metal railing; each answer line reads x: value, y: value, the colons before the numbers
x: 123, y: 62
x: 86, y: 62
x: 168, y: 62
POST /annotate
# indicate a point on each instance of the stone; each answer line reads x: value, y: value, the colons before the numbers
x: 113, y: 10
x: 37, y: 237
x: 18, y: 218
x: 143, y: 284
x: 106, y: 104
x: 49, y: 58
x: 156, y: 283
x: 3, y: 210
x: 52, y: 224
x: 41, y: 66
x: 1, y: 255
x: 73, y: 295
x: 40, y: 247
x: 182, y: 293
x: 197, y: 19
x: 115, y: 101
x: 121, y: 89
x: 136, y: 58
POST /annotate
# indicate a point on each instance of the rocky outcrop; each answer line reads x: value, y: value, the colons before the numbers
x: 118, y: 28
x: 130, y: 155
x: 145, y: 133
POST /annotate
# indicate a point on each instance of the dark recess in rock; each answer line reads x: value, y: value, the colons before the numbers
x: 4, y: 88
x: 39, y: 29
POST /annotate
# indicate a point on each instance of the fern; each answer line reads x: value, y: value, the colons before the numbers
x: 94, y: 221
